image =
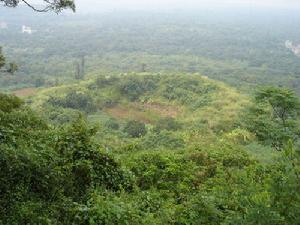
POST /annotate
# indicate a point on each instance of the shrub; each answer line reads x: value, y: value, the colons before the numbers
x: 134, y: 87
x: 167, y: 123
x: 75, y: 100
x: 199, y: 210
x: 112, y: 124
x: 163, y: 139
x: 164, y: 171
x: 102, y: 81
x: 9, y: 103
x: 112, y: 209
x: 135, y: 129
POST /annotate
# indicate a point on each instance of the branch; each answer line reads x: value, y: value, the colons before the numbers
x: 51, y: 5
x: 48, y: 8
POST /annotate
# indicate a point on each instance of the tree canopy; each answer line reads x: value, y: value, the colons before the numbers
x: 283, y: 102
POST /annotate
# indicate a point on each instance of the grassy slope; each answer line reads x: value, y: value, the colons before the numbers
x: 208, y: 110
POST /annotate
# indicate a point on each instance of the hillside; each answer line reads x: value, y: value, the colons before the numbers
x: 145, y: 149
x: 190, y: 101
x: 149, y: 117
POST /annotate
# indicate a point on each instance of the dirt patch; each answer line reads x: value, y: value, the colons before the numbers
x: 25, y: 92
x: 146, y: 112
x: 122, y: 112
x: 162, y: 110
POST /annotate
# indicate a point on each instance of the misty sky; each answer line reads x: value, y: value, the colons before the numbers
x: 104, y: 5
x: 177, y: 4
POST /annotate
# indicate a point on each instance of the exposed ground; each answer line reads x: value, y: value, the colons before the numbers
x: 25, y: 92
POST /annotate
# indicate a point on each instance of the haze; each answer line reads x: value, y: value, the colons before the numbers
x: 95, y: 5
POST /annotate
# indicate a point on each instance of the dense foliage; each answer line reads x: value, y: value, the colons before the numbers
x: 150, y: 159
x: 48, y: 172
x: 133, y: 130
x: 274, y: 116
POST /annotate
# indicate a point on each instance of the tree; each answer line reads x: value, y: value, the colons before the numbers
x: 273, y: 116
x: 284, y: 102
x: 144, y: 66
x: 49, y: 5
x: 12, y: 67
x: 2, y: 59
x: 77, y: 71
x: 80, y: 68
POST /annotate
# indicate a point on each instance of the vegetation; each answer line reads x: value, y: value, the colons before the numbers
x: 274, y: 117
x: 243, y: 53
x: 135, y: 129
x: 140, y: 134
x: 12, y: 67
x: 152, y: 165
x: 62, y: 175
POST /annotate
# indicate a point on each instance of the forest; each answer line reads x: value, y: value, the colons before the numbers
x: 149, y: 118
x: 241, y: 52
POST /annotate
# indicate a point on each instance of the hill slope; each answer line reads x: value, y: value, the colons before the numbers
x: 168, y: 149
x: 193, y: 101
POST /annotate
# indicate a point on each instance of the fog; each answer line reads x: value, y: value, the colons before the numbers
x: 99, y: 5
x: 167, y: 5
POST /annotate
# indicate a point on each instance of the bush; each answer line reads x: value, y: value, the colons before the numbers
x: 112, y: 124
x: 9, y: 103
x: 164, y: 171
x: 135, y: 129
x: 134, y: 87
x: 199, y: 210
x: 112, y: 209
x: 75, y: 100
x: 102, y: 81
x: 163, y: 139
x: 167, y: 123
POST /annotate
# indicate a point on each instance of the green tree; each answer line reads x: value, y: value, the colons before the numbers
x: 284, y: 102
x: 274, y: 116
x: 2, y: 59
x: 12, y: 68
x: 80, y: 68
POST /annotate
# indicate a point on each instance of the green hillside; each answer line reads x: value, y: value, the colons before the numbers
x: 184, y: 117
x: 149, y: 149
x: 189, y: 102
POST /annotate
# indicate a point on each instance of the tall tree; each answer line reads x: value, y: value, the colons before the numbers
x: 284, y: 102
x: 12, y: 67
x: 2, y: 59
x: 82, y: 65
